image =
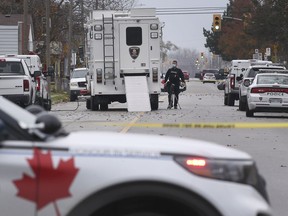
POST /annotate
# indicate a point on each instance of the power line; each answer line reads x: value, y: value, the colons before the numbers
x: 185, y: 13
x: 191, y: 10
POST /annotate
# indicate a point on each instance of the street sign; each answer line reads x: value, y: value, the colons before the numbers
x: 268, y: 51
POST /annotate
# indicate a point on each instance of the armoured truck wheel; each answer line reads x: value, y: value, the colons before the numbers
x: 154, y: 101
x: 103, y: 106
x: 94, y: 103
x: 88, y: 103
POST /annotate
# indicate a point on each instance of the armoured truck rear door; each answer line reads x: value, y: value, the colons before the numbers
x: 134, y: 48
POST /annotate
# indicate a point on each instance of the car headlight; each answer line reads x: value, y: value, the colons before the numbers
x: 239, y: 171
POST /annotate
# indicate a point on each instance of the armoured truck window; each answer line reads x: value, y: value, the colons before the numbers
x: 134, y: 36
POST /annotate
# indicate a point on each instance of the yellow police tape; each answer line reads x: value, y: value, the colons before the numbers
x: 201, y: 125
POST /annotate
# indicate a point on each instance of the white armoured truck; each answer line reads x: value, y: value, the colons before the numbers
x: 123, y: 51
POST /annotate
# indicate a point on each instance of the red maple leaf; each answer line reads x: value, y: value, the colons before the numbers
x: 49, y: 184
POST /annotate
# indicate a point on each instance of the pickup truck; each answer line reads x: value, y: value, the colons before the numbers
x: 42, y: 92
x: 16, y: 81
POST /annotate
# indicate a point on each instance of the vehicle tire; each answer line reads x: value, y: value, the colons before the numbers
x: 225, y: 99
x: 154, y: 101
x: 242, y: 104
x: 249, y: 113
x: 144, y: 199
x: 103, y: 106
x: 88, y: 103
x: 47, y: 104
x: 73, y: 97
x: 230, y: 100
x: 94, y: 104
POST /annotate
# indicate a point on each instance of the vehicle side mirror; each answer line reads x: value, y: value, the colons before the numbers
x: 50, y: 71
x: 3, y: 133
x: 51, y: 123
x: 37, y: 73
x: 239, y: 78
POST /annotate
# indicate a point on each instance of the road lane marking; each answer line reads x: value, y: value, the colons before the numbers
x: 198, y: 125
x: 132, y: 123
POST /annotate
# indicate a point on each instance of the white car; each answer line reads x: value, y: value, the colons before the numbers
x: 247, y: 79
x: 267, y: 93
x: 78, y: 82
x: 209, y: 77
x: 236, y: 71
x: 46, y: 171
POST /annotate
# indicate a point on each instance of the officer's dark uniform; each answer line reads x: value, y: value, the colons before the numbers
x: 173, y: 76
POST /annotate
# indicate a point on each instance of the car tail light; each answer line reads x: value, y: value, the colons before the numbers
x: 268, y: 89
x: 155, y: 74
x: 99, y: 75
x: 38, y: 83
x: 232, y: 81
x: 26, y: 85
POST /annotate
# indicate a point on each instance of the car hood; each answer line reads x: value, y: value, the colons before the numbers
x: 78, y: 80
x: 140, y: 144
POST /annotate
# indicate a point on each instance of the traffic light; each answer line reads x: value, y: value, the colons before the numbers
x: 202, y: 55
x: 216, y: 22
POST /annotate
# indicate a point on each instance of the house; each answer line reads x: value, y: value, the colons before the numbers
x: 11, y: 34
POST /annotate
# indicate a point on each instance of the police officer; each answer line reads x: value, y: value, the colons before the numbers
x: 172, y: 81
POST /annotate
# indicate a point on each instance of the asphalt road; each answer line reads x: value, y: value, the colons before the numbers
x: 202, y: 116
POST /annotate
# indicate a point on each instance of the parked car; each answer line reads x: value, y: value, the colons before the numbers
x: 16, y: 81
x: 236, y: 71
x: 267, y: 93
x: 186, y: 76
x: 48, y: 171
x: 78, y: 82
x: 42, y: 93
x: 247, y: 78
x: 209, y: 78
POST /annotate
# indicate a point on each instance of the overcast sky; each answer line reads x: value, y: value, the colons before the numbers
x: 186, y: 31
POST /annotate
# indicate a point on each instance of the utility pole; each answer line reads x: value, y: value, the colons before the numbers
x: 25, y: 28
x: 83, y: 42
x: 47, y: 16
x: 96, y: 5
x: 70, y: 37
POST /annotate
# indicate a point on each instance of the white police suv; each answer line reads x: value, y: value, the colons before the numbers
x: 46, y: 171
